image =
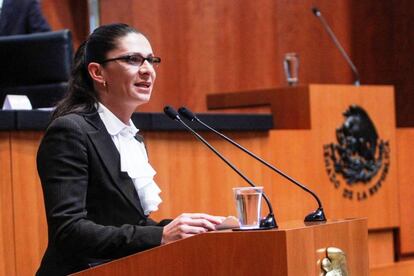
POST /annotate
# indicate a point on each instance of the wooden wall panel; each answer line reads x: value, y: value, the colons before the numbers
x: 216, y: 46
x: 68, y: 14
x: 7, y: 239
x: 380, y: 248
x: 193, y: 179
x: 405, y: 147
x: 403, y: 59
x: 29, y: 213
x: 382, y: 43
x: 112, y: 12
x: 300, y: 31
x: 400, y: 268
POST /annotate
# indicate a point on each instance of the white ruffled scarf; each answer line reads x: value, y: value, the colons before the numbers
x: 141, y: 172
x: 133, y: 157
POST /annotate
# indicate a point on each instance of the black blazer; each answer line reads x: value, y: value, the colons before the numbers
x: 22, y: 17
x: 92, y: 208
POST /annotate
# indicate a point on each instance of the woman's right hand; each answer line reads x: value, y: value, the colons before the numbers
x: 187, y: 225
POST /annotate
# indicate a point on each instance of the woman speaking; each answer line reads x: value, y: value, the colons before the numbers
x: 97, y: 183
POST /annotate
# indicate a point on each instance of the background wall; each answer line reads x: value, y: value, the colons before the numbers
x: 211, y: 46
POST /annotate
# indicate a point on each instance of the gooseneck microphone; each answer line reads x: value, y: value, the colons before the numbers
x: 269, y: 221
x: 317, y: 215
x: 338, y: 45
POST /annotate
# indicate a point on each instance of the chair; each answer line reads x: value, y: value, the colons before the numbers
x: 37, y: 65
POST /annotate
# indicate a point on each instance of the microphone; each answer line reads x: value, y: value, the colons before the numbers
x: 338, y: 45
x: 317, y: 215
x: 269, y: 221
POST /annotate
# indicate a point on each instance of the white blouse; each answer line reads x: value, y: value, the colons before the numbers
x: 134, y: 159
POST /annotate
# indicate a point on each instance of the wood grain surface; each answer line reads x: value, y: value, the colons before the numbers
x: 294, y: 249
x: 7, y: 238
x: 28, y: 206
x: 211, y: 46
x: 405, y: 147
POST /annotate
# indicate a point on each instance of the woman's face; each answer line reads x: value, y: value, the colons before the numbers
x: 128, y: 83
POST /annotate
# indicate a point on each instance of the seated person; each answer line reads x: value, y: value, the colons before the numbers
x: 21, y: 17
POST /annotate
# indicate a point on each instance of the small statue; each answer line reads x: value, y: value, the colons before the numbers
x: 334, y: 264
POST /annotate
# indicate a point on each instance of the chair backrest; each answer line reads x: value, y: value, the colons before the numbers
x: 31, y: 63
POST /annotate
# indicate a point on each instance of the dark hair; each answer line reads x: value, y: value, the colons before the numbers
x: 81, y: 96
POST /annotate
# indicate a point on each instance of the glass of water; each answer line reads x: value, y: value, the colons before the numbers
x: 291, y: 68
x: 248, y: 205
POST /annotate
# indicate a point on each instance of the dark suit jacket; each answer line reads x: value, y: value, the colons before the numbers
x: 22, y: 17
x: 92, y: 208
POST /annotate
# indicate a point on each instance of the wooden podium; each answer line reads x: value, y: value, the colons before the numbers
x: 293, y: 249
x: 305, y: 121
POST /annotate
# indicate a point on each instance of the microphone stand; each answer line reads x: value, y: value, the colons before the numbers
x: 317, y: 215
x: 318, y: 14
x: 269, y: 221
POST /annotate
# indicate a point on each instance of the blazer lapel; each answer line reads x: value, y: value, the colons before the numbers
x: 109, y: 156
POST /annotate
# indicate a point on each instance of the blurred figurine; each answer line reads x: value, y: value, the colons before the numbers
x: 335, y: 263
x: 21, y: 17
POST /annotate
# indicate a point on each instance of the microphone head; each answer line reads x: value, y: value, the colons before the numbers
x: 186, y: 113
x: 316, y: 11
x: 171, y: 112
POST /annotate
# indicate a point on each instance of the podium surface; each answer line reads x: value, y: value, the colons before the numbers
x: 293, y: 249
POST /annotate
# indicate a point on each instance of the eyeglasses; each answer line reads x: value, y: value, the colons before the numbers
x: 135, y: 60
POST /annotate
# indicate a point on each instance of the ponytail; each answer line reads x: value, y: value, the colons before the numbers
x: 81, y: 96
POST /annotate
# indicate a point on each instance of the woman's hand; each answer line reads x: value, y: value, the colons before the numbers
x: 187, y: 225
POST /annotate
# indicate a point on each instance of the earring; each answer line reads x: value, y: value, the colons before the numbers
x: 104, y: 84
